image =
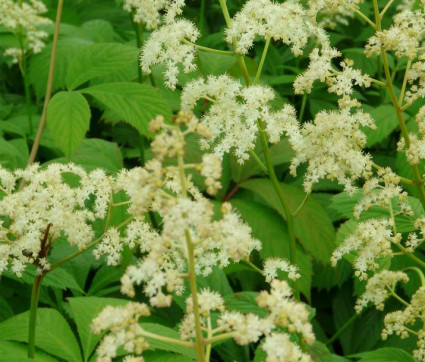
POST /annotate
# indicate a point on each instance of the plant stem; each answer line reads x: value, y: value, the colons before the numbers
x: 258, y: 160
x: 27, y: 90
x: 191, y: 272
x: 263, y: 58
x: 283, y: 201
x: 253, y: 266
x: 33, y: 314
x: 342, y: 329
x: 419, y: 272
x: 269, y: 163
x: 202, y: 16
x: 396, y: 296
x: 158, y: 337
x: 49, y: 86
x: 302, y: 109
x: 397, y: 107
x: 219, y: 337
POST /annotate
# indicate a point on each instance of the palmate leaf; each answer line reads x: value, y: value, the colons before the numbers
x: 53, y: 333
x: 137, y: 104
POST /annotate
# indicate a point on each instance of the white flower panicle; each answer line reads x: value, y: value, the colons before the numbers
x: 149, y: 12
x: 379, y: 288
x: 159, y: 188
x: 381, y: 191
x: 416, y: 150
x: 372, y: 239
x: 272, y: 265
x: 287, y: 22
x: 166, y: 46
x: 332, y: 147
x: 46, y: 208
x: 403, y: 37
x: 234, y: 112
x: 24, y: 20
x: 284, y: 316
x: 336, y: 6
x: 401, y: 322
x: 124, y: 331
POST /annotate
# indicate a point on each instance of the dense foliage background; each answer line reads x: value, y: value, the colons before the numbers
x: 98, y: 118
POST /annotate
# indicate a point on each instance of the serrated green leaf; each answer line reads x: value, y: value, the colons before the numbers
x: 313, y: 227
x: 85, y: 309
x: 53, y: 333
x: 96, y: 153
x: 16, y: 352
x: 385, y: 120
x: 98, y: 60
x: 68, y: 120
x: 384, y: 355
x: 137, y: 104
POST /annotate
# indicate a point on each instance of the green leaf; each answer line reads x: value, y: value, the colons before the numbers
x: 386, y: 122
x: 68, y: 120
x: 384, y: 355
x: 53, y: 333
x: 58, y: 278
x: 98, y: 60
x: 16, y: 352
x: 39, y: 63
x: 84, y: 310
x: 313, y: 227
x: 215, y: 64
x: 160, y: 356
x: 137, y: 104
x: 96, y: 153
x: 367, y: 65
x: 274, y: 237
x: 11, y: 155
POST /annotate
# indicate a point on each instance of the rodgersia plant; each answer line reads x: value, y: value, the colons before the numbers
x: 265, y: 137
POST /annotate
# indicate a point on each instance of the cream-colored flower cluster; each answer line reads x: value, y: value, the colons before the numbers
x: 336, y: 6
x: 165, y: 46
x: 287, y: 22
x: 122, y: 323
x: 379, y: 288
x: 401, y: 322
x: 381, y: 191
x: 46, y: 208
x: 373, y: 239
x: 186, y: 218
x: 149, y: 12
x: 285, y: 316
x: 234, y: 113
x: 416, y: 150
x: 332, y: 147
x: 403, y: 37
x: 23, y: 19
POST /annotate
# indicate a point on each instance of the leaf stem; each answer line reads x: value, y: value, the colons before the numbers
x: 253, y: 266
x: 263, y: 58
x: 49, y: 87
x: 343, y: 328
x: 397, y: 107
x: 419, y: 272
x: 33, y: 314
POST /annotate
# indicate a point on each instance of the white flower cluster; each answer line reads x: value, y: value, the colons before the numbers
x: 184, y: 219
x: 379, y: 288
x: 416, y: 80
x: 284, y: 313
x: 149, y: 12
x: 234, y: 113
x: 124, y: 331
x: 287, y: 22
x: 372, y: 239
x: 416, y: 150
x: 336, y: 6
x: 332, y: 147
x: 403, y: 37
x: 165, y: 46
x: 272, y: 265
x: 23, y: 19
x: 339, y: 82
x: 329, y: 17
x: 401, y: 322
x: 46, y: 208
x: 376, y: 194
